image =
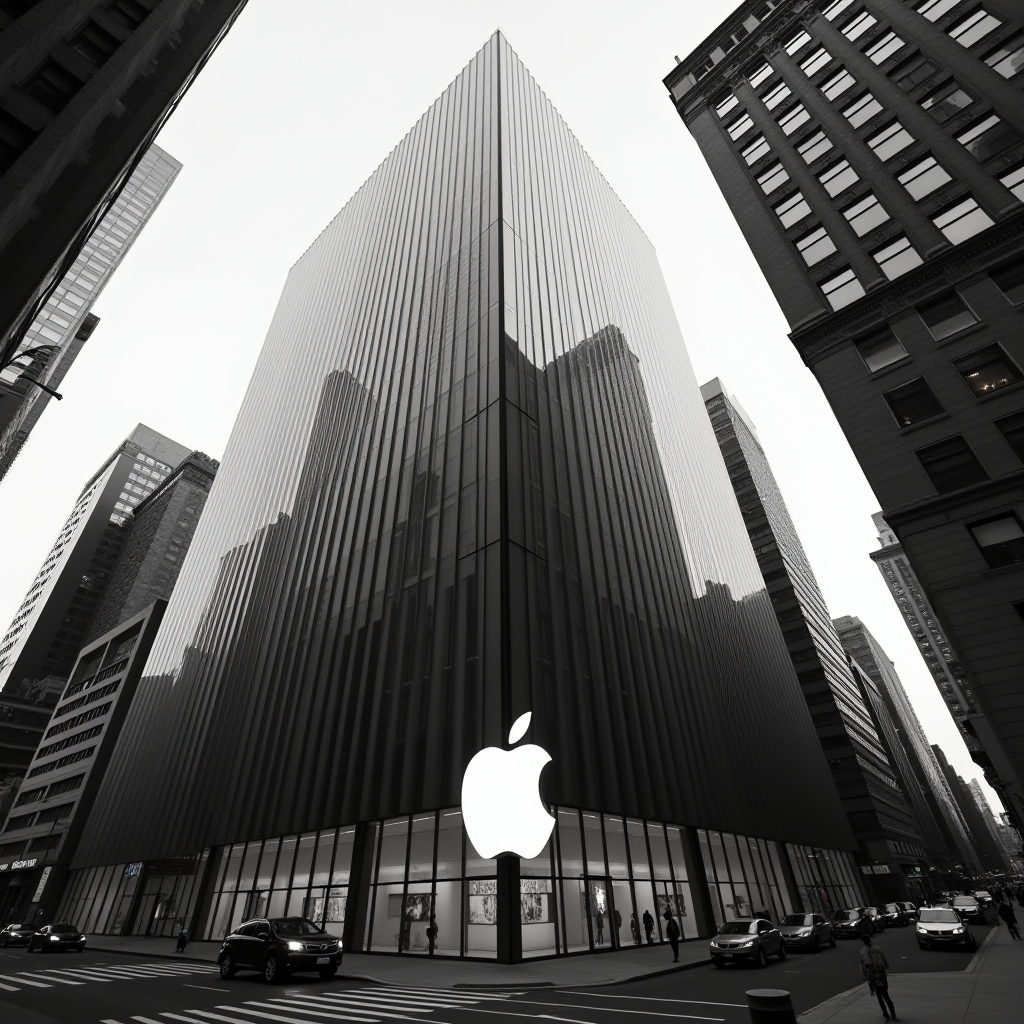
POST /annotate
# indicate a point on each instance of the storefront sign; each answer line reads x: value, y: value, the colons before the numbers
x: 42, y: 885
x: 19, y: 864
x: 131, y: 870
x: 874, y: 869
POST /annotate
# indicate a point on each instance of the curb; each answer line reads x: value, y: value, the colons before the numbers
x: 832, y: 1005
x: 150, y: 956
x: 979, y: 958
x: 674, y: 969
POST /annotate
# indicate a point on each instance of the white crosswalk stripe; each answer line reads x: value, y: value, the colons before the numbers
x: 375, y: 1004
x: 81, y: 974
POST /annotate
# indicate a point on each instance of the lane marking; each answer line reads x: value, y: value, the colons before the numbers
x: 534, y: 1016
x: 611, y: 1009
x: 573, y: 1020
x: 333, y: 1005
x: 22, y: 981
x: 320, y: 1011
x: 146, y: 1020
x: 9, y: 988
x: 205, y: 988
x: 650, y: 999
x: 76, y: 972
x: 295, y: 1020
x: 440, y: 993
x: 396, y: 1002
x: 190, y: 1020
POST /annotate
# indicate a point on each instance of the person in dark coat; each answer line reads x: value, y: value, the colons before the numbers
x: 1005, y: 911
x: 599, y: 920
x: 634, y: 928
x: 431, y: 937
x: 182, y: 939
x: 649, y: 926
x: 672, y: 934
x: 873, y: 966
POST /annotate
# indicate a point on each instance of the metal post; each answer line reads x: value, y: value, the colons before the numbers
x: 770, y: 1006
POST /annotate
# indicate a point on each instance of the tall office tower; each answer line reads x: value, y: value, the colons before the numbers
x: 872, y: 153
x: 989, y: 819
x: 471, y: 479
x: 879, y: 810
x: 55, y: 617
x: 85, y: 86
x: 62, y: 327
x: 868, y: 655
x: 1010, y: 839
x: 22, y: 722
x: 990, y: 852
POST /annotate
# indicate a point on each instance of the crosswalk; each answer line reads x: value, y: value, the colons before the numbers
x: 56, y: 977
x: 378, y: 1004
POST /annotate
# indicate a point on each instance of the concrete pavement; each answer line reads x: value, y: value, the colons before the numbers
x: 988, y: 990
x: 608, y: 968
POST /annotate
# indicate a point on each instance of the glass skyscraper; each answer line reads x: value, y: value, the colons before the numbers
x: 472, y: 477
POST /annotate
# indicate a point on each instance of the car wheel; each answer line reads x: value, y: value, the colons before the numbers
x: 816, y: 945
x: 80, y: 948
x: 227, y: 966
x: 762, y: 959
x: 326, y: 973
x: 782, y: 951
x: 272, y: 972
x: 718, y: 961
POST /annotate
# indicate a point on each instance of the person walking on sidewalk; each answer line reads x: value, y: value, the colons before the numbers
x: 672, y: 934
x: 1005, y: 911
x: 649, y: 926
x: 182, y: 939
x: 873, y: 966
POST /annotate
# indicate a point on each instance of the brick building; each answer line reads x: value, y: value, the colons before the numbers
x: 872, y: 153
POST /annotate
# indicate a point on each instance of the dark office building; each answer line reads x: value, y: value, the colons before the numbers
x: 62, y: 774
x: 872, y: 153
x: 56, y: 616
x: 892, y: 841
x: 990, y: 852
x: 22, y: 722
x: 471, y: 478
x: 85, y: 87
x: 922, y: 780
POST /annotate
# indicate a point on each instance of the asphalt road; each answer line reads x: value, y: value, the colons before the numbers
x: 106, y: 988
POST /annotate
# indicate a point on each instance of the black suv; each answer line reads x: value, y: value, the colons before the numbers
x: 279, y: 946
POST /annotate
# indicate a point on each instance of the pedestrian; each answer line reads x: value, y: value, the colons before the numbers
x: 873, y: 965
x: 599, y: 920
x: 182, y: 939
x: 649, y: 926
x: 431, y: 936
x: 865, y: 926
x: 1005, y: 911
x: 618, y: 923
x: 672, y: 934
x: 634, y: 928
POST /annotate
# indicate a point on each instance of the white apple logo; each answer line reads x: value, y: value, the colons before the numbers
x: 501, y: 803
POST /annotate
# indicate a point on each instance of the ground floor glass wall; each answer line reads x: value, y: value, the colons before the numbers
x: 745, y: 876
x: 826, y: 880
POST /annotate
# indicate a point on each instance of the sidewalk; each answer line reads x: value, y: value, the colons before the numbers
x: 988, y: 990
x: 588, y: 969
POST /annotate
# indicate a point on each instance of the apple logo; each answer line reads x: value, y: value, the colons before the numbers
x: 501, y: 804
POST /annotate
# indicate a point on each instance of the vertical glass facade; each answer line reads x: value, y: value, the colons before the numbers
x: 472, y: 477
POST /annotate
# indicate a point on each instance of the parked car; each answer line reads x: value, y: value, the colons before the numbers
x: 940, y: 926
x: 846, y: 924
x: 278, y: 947
x: 984, y: 897
x: 909, y: 909
x: 52, y: 938
x: 748, y: 938
x: 893, y: 915
x: 16, y: 935
x: 810, y: 930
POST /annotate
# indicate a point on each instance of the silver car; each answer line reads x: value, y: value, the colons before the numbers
x: 942, y: 926
x: 809, y: 930
x: 748, y: 938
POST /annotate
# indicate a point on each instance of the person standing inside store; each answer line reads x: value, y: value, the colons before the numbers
x: 649, y: 926
x: 672, y: 934
x: 873, y: 966
x: 634, y: 928
x: 599, y: 920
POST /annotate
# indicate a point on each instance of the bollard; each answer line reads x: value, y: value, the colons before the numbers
x: 770, y: 1006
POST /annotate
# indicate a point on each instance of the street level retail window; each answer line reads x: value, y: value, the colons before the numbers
x: 744, y: 876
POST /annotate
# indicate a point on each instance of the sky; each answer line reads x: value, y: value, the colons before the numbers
x: 300, y: 104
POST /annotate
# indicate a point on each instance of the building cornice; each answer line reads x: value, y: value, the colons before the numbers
x: 952, y: 267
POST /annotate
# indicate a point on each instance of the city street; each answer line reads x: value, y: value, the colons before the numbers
x: 108, y: 988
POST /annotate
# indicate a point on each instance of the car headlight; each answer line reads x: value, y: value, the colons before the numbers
x: 958, y: 931
x: 920, y: 928
x: 55, y: 938
x: 749, y: 942
x: 295, y: 947
x: 804, y: 931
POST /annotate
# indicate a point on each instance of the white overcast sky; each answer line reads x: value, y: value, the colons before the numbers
x: 300, y: 104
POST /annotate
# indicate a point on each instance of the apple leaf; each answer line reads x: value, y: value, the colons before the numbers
x: 519, y: 727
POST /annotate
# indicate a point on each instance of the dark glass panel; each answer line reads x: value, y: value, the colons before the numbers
x: 912, y: 402
x: 946, y: 316
x: 951, y: 464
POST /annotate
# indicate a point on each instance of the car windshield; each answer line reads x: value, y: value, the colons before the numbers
x: 64, y: 929
x: 287, y: 926
x: 938, y: 915
x: 845, y: 915
x: 983, y: 892
x: 800, y: 919
x: 736, y: 928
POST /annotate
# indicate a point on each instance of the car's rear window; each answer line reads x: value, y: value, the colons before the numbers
x: 798, y: 919
x: 938, y: 915
x: 287, y: 926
